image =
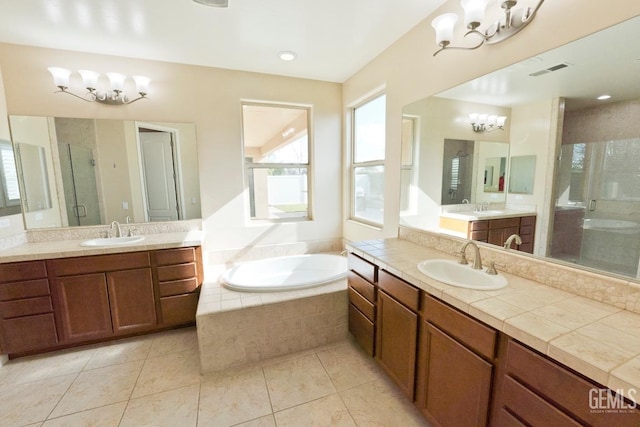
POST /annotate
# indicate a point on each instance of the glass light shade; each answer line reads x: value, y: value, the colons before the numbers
x: 89, y: 78
x: 482, y: 119
x: 142, y: 84
x: 492, y: 120
x: 473, y: 12
x: 473, y: 118
x: 117, y: 81
x: 60, y: 76
x: 501, y: 120
x: 443, y: 25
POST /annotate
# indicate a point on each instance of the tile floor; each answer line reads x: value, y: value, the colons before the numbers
x: 154, y: 380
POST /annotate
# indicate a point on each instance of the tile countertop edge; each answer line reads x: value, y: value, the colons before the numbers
x: 575, y: 361
x: 72, y: 248
x: 478, y: 216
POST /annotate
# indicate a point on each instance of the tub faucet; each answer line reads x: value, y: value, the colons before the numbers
x: 116, y: 224
x: 477, y: 262
x: 510, y: 239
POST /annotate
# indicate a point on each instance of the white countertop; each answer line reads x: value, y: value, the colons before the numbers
x: 72, y: 248
x: 489, y: 214
x: 599, y: 340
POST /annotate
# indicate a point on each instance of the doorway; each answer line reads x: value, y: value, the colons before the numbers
x: 160, y: 172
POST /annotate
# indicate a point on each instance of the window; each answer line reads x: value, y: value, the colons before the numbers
x: 9, y: 190
x: 276, y: 151
x: 367, y: 168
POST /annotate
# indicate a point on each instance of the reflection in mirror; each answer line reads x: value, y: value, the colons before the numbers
x: 457, y: 171
x: 9, y: 188
x: 590, y: 214
x: 495, y: 169
x: 33, y: 175
x: 96, y: 171
x: 522, y: 174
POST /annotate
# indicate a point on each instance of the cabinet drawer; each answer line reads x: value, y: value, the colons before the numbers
x: 362, y: 329
x: 28, y: 289
x: 531, y: 408
x: 175, y: 256
x: 99, y: 263
x: 528, y: 220
x: 365, y: 288
x: 179, y: 309
x: 504, y: 222
x: 29, y: 333
x: 475, y: 335
x: 176, y: 287
x: 25, y: 307
x: 480, y: 236
x: 363, y: 268
x: 478, y: 225
x: 556, y: 383
x: 526, y: 230
x: 19, y: 271
x: 362, y: 304
x: 177, y: 272
x: 399, y: 289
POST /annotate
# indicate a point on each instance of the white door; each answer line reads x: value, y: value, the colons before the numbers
x: 159, y: 175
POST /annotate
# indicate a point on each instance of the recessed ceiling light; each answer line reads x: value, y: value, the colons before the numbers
x: 603, y: 97
x: 287, y: 55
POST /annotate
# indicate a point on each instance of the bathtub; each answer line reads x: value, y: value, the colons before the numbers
x: 285, y: 273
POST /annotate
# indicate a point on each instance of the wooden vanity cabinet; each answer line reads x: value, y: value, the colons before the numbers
x: 397, y: 330
x: 536, y: 391
x: 362, y: 278
x: 455, y: 365
x: 27, y: 319
x: 179, y: 275
x: 103, y: 295
x: 496, y: 231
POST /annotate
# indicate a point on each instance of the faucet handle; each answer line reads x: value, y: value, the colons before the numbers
x: 463, y: 258
x: 131, y: 231
x: 491, y: 269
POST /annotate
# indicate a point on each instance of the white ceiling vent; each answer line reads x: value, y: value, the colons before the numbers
x: 550, y: 69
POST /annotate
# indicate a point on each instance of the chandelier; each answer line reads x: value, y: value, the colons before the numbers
x: 512, y: 22
x: 113, y: 95
x: 486, y: 122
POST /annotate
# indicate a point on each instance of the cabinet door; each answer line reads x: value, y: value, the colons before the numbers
x: 458, y: 382
x: 397, y: 334
x: 131, y: 295
x: 83, y: 305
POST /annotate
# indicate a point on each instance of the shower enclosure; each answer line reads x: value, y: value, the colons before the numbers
x: 597, y: 215
x: 77, y: 166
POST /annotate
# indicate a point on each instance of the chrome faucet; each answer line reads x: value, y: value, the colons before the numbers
x: 117, y: 226
x: 510, y: 239
x: 477, y: 262
x: 483, y: 206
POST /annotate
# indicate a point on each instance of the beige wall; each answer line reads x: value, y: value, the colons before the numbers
x: 210, y: 98
x: 409, y: 72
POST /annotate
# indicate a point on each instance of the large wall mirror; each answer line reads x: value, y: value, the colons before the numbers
x: 572, y: 158
x: 80, y: 172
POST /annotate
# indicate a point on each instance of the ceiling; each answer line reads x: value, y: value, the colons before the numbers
x: 607, y: 62
x: 333, y: 39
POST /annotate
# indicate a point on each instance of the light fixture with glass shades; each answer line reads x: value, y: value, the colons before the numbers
x: 512, y: 21
x: 486, y: 122
x: 213, y: 3
x: 114, y: 93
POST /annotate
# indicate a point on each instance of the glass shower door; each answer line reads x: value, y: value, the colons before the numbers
x: 79, y: 181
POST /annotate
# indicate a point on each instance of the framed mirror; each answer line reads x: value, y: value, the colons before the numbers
x: 558, y: 163
x: 79, y: 172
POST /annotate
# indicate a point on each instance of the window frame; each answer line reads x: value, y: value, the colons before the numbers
x: 353, y: 166
x: 249, y: 166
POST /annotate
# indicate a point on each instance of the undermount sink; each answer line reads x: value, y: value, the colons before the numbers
x: 112, y: 241
x: 460, y: 275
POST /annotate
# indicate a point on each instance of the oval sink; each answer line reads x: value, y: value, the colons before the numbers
x: 463, y: 276
x: 112, y: 241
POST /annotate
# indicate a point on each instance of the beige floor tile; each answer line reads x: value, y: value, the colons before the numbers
x: 173, y: 341
x: 348, y: 366
x: 120, y: 352
x: 171, y: 408
x: 56, y: 364
x: 105, y: 416
x: 31, y: 402
x: 99, y: 387
x: 230, y: 399
x: 168, y: 372
x: 326, y: 411
x: 297, y: 381
x: 379, y: 403
x: 266, y: 421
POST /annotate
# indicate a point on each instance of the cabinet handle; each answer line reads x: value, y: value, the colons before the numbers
x: 592, y: 205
